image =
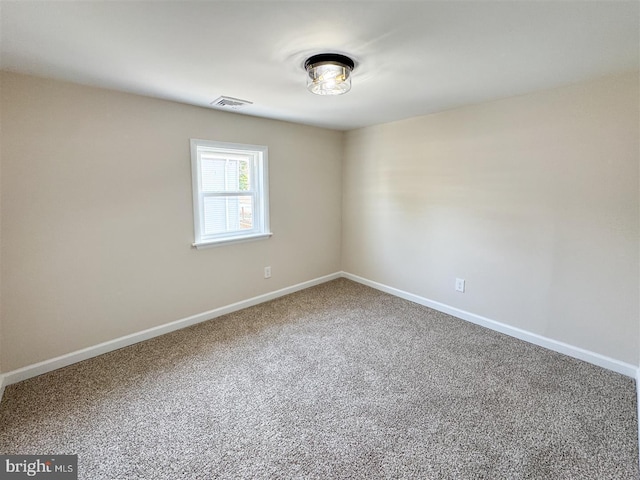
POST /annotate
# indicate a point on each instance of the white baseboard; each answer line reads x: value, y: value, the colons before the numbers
x: 555, y: 345
x: 89, y: 352
x: 93, y: 351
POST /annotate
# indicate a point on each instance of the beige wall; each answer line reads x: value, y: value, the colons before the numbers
x: 533, y: 200
x: 97, y: 215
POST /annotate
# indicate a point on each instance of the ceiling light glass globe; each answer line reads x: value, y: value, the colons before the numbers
x: 328, y: 78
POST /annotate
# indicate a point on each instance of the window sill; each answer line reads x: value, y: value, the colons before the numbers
x: 231, y: 240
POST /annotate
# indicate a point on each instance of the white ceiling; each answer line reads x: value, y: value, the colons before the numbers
x: 412, y: 58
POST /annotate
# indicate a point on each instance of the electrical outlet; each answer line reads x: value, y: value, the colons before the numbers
x: 460, y: 285
x: 267, y: 272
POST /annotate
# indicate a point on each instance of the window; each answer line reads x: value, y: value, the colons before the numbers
x: 230, y: 192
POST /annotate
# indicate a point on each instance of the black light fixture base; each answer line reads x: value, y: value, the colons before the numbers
x: 329, y: 57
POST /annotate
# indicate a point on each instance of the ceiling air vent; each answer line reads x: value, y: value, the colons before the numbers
x: 229, y: 102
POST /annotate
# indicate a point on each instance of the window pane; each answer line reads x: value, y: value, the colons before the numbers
x: 227, y: 214
x: 215, y: 220
x: 245, y: 176
x: 225, y: 175
x: 213, y: 174
x: 245, y: 212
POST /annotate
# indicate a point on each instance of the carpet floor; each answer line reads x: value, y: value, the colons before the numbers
x: 337, y: 381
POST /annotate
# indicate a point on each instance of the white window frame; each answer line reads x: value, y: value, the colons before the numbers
x: 259, y: 175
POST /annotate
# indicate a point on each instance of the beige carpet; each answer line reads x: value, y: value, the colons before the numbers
x: 338, y: 381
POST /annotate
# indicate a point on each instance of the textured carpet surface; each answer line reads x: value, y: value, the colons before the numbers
x: 337, y: 381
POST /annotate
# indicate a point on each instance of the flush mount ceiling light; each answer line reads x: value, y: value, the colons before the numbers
x: 329, y: 74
